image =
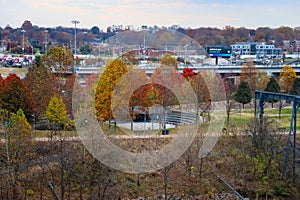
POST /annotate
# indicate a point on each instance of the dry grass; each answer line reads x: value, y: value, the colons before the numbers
x: 18, y: 71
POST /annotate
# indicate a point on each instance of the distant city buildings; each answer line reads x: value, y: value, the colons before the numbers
x: 255, y: 49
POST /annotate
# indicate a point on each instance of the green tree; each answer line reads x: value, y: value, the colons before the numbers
x: 19, y: 126
x: 169, y: 61
x: 56, y: 112
x: 273, y: 86
x: 286, y: 78
x: 95, y: 30
x: 243, y: 93
x: 296, y: 87
x: 86, y: 49
x: 105, y: 87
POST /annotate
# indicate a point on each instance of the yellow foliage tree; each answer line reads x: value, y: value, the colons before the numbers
x: 286, y: 78
x: 169, y: 61
x: 56, y: 112
x: 105, y: 87
x: 58, y: 59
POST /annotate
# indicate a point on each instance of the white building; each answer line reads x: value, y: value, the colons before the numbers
x: 260, y: 50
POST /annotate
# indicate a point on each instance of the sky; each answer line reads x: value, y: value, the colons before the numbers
x: 186, y: 13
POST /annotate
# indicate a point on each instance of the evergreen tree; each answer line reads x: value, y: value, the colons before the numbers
x: 273, y: 86
x: 243, y: 93
x: 296, y: 87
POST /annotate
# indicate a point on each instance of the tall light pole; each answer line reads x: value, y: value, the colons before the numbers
x: 23, y: 47
x: 75, y: 48
x: 144, y: 27
x: 186, y: 46
x: 46, y: 40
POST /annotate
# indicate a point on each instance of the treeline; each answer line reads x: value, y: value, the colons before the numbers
x: 37, y: 37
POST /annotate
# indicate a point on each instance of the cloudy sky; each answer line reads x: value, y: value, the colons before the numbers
x: 186, y: 13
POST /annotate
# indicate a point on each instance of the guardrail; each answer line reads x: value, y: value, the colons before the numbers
x: 180, y: 118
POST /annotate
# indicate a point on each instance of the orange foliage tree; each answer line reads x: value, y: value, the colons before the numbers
x: 41, y: 85
x: 15, y: 94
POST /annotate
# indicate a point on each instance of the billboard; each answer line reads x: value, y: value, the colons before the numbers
x: 224, y: 52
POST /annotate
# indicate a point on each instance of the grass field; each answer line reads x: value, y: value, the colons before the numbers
x: 245, y: 116
x: 18, y: 71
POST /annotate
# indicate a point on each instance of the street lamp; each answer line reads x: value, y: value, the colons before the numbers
x: 46, y: 40
x: 144, y: 27
x: 23, y: 48
x: 75, y: 48
x: 186, y: 46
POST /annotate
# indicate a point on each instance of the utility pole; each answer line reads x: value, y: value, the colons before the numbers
x: 75, y: 48
x: 46, y: 40
x: 23, y: 47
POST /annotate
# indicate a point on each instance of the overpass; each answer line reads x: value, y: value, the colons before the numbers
x: 274, y: 70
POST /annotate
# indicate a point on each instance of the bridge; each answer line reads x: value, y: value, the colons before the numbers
x: 221, y: 69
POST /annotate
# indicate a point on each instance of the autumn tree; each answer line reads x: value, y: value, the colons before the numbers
x: 188, y: 73
x: 169, y: 61
x: 286, y: 78
x: 91, y: 80
x: 1, y: 82
x: 15, y: 94
x: 256, y: 80
x: 27, y: 25
x: 230, y: 88
x: 19, y: 142
x: 163, y: 95
x: 56, y: 112
x: 105, y: 87
x: 201, y: 90
x: 168, y: 87
x: 296, y: 87
x: 68, y: 92
x: 58, y: 59
x: 243, y: 93
x: 41, y: 85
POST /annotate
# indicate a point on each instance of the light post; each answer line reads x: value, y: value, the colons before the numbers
x: 298, y: 55
x: 75, y: 48
x: 185, y: 54
x: 152, y: 114
x: 144, y: 27
x: 85, y: 37
x: 46, y: 40
x: 23, y: 47
x: 85, y: 45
